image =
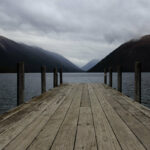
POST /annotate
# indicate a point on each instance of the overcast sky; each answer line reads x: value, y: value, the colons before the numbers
x: 80, y: 30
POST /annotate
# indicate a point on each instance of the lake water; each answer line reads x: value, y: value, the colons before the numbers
x: 8, y: 88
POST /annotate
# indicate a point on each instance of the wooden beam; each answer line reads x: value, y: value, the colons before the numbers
x: 55, y: 77
x: 105, y: 76
x: 20, y: 83
x: 110, y: 77
x: 61, y: 77
x: 43, y: 79
x: 119, y: 70
x: 138, y: 82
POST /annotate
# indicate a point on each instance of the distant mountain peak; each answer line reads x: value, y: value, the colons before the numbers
x: 90, y: 64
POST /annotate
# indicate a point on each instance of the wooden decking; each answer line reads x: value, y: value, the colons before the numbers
x: 77, y: 117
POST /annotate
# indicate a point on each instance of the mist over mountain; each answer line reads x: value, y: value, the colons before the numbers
x: 90, y: 64
x: 126, y: 55
x: 34, y: 57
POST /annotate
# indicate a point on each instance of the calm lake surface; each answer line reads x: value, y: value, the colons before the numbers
x: 8, y: 88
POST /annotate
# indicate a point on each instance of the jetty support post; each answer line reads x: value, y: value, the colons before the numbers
x: 119, y: 70
x: 110, y: 76
x: 43, y: 79
x: 138, y: 82
x: 55, y: 78
x: 20, y: 83
x: 61, y: 78
x: 105, y: 76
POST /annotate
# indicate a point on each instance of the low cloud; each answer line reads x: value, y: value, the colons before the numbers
x: 79, y: 30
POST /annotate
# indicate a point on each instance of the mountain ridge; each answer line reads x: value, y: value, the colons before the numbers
x: 34, y: 57
x: 126, y: 55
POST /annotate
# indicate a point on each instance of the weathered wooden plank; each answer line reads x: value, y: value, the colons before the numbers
x: 137, y: 105
x: 106, y: 139
x: 33, y: 129
x: 66, y: 135
x: 25, y: 109
x: 141, y: 132
x: 126, y: 138
x: 85, y: 102
x: 46, y: 137
x: 18, y: 113
x: 82, y: 116
x: 85, y: 133
x: 144, y: 119
x: 27, y: 126
x: 31, y: 103
x: 13, y: 111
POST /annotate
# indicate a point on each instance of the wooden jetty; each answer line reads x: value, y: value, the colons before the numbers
x: 88, y: 116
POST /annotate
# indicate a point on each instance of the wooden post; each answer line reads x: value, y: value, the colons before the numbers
x: 43, y: 79
x: 20, y: 83
x: 119, y: 78
x: 138, y: 82
x: 110, y: 77
x: 105, y: 76
x: 60, y: 73
x: 55, y: 77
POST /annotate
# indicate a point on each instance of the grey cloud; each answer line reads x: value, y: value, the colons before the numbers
x: 77, y: 29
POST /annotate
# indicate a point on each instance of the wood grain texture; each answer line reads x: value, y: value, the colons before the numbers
x: 144, y: 119
x: 66, y: 135
x: 85, y: 133
x: 125, y: 136
x: 87, y: 116
x: 46, y: 137
x: 85, y: 102
x: 8, y: 137
x: 106, y: 138
x: 136, y: 126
